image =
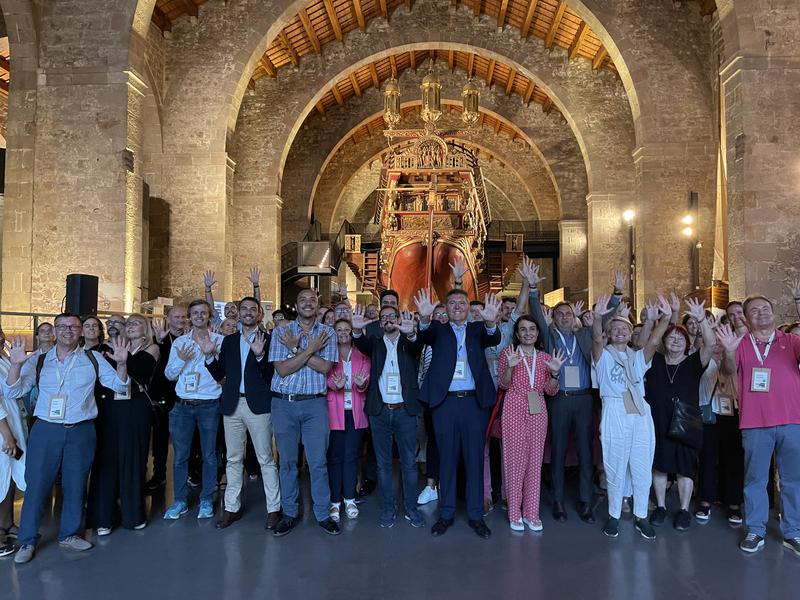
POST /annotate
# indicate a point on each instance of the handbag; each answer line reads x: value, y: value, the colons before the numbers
x: 686, y: 426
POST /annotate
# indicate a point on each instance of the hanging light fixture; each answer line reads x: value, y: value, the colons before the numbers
x: 471, y: 101
x: 391, y: 103
x: 431, y: 97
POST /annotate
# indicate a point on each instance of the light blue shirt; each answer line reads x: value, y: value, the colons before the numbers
x: 460, y: 331
x: 73, y: 378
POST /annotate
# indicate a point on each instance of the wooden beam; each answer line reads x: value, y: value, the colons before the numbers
x: 190, y: 8
x: 551, y: 34
x: 478, y: 6
x: 267, y: 65
x: 583, y: 31
x: 161, y: 20
x: 354, y: 83
x: 374, y: 74
x: 707, y: 7
x: 412, y: 59
x: 393, y: 64
x: 337, y: 94
x: 598, y: 58
x: 251, y: 85
x: 490, y: 73
x: 470, y: 64
x: 451, y: 60
x: 321, y: 108
x: 526, y: 25
x: 4, y: 86
x: 4, y: 64
x: 497, y: 125
x: 362, y: 24
x: 529, y: 92
x: 384, y: 9
x: 409, y: 4
x: 293, y: 56
x: 547, y: 106
x: 480, y: 119
x: 337, y: 29
x: 510, y: 84
x: 501, y: 15
x: 309, y: 29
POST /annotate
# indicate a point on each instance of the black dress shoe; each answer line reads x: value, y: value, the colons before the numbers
x: 228, y: 519
x: 585, y: 512
x: 367, y: 487
x: 440, y: 527
x: 284, y: 526
x: 480, y: 528
x: 154, y: 484
x: 559, y: 514
x: 273, y: 519
x: 330, y: 526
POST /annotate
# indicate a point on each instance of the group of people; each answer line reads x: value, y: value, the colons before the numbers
x: 708, y: 400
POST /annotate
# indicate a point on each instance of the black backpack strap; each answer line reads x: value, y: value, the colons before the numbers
x: 92, y: 359
x: 39, y: 367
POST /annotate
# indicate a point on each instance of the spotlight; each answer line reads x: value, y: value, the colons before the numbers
x: 628, y: 215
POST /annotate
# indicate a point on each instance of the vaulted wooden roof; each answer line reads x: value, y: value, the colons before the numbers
x: 5, y: 71
x: 490, y: 71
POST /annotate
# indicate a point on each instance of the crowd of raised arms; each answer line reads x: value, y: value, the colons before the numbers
x: 503, y: 386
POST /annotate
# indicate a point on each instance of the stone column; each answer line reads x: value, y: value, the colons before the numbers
x: 574, y: 256
x: 256, y: 241
x: 607, y: 234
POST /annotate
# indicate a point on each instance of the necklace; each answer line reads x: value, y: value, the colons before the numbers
x: 671, y: 376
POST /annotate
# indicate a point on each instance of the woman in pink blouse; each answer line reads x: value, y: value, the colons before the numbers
x: 347, y: 386
x: 526, y: 373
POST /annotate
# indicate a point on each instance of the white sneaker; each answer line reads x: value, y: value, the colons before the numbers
x: 140, y: 526
x: 533, y: 525
x: 350, y: 508
x: 103, y: 530
x: 429, y: 494
x: 333, y: 511
x: 516, y: 526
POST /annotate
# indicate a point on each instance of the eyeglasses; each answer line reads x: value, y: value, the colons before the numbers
x: 68, y: 327
x: 675, y: 338
x: 342, y: 311
x: 439, y: 315
x: 117, y: 323
x: 388, y: 318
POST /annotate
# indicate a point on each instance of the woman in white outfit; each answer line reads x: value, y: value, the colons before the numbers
x: 626, y: 426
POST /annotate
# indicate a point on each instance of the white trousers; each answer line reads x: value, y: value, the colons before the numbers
x: 237, y: 425
x: 629, y: 442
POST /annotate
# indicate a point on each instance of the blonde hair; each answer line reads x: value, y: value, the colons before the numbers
x: 149, y: 337
x: 619, y: 320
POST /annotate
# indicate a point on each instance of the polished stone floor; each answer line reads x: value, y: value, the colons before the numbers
x: 190, y: 559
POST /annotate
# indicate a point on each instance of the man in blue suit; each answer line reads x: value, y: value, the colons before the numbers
x: 459, y: 389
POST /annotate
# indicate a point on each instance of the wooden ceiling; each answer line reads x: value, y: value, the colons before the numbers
x: 490, y: 71
x: 5, y: 72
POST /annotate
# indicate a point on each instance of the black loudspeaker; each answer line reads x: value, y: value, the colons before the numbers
x: 82, y: 294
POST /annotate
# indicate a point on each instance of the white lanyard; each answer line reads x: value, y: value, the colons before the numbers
x: 766, y: 348
x: 347, y: 369
x: 532, y: 370
x: 570, y: 352
x: 68, y: 367
x: 391, y: 353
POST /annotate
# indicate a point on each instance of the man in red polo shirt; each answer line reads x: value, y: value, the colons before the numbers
x: 766, y: 361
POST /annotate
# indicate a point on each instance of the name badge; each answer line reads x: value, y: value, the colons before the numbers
x: 348, y: 399
x: 534, y: 402
x: 191, y: 382
x: 58, y: 408
x: 461, y: 370
x: 572, y: 377
x: 724, y: 406
x: 126, y: 395
x: 759, y: 381
x: 630, y: 405
x: 393, y: 383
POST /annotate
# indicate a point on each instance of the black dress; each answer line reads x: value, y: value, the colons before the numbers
x: 119, y: 471
x: 672, y: 456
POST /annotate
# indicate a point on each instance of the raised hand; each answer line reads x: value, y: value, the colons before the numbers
x: 318, y: 342
x: 577, y: 308
x: 339, y: 380
x: 491, y: 309
x: 209, y: 280
x: 360, y: 379
x: 17, y: 354
x: 286, y: 338
x: 343, y: 290
x: 588, y: 318
x: 514, y: 356
x: 214, y: 327
x: 533, y: 276
x: 407, y: 324
x: 619, y: 281
x: 119, y: 350
x: 425, y: 306
x: 203, y: 339
x: 674, y: 302
x: 651, y: 311
x: 601, y: 307
x: 255, y: 275
x: 556, y: 360
x: 185, y: 353
x: 794, y: 287
x: 459, y: 267
x: 696, y: 308
x: 664, y: 307
x: 548, y: 315
x: 727, y: 338
x: 160, y: 330
x: 257, y: 345
x: 359, y: 320
x: 624, y: 310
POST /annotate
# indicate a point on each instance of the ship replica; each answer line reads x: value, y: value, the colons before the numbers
x: 432, y: 207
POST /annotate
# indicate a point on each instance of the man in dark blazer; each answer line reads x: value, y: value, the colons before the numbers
x: 392, y: 404
x: 245, y: 406
x: 459, y: 389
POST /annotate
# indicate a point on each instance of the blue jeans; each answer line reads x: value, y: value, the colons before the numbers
x: 402, y: 427
x: 182, y: 422
x: 759, y: 445
x: 53, y: 447
x: 343, y: 448
x: 306, y: 421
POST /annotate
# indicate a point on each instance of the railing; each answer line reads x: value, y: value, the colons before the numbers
x: 538, y: 231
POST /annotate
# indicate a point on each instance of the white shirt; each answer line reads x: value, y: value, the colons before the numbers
x: 194, y: 382
x: 392, y: 365
x: 611, y: 377
x: 244, y: 350
x: 74, y: 378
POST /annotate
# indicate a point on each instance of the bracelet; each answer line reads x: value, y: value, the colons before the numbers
x: 617, y: 292
x: 797, y: 299
x: 256, y: 286
x: 553, y: 376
